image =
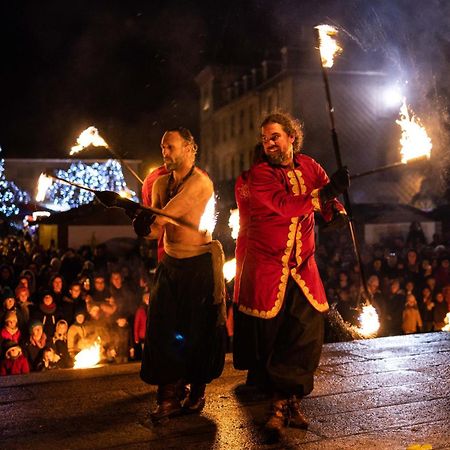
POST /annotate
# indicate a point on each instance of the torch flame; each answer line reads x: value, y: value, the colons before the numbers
x: 233, y: 223
x: 44, y: 183
x: 229, y: 269
x: 88, y: 357
x: 369, y: 321
x: 209, y: 217
x: 415, y: 141
x: 88, y: 137
x: 328, y: 46
x: 446, y: 327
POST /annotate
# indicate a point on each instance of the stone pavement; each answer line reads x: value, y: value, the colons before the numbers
x: 385, y: 393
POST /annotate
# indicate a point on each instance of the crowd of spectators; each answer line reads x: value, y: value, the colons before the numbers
x: 408, y: 280
x: 55, y: 303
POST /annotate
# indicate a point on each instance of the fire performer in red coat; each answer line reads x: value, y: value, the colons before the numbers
x: 279, y: 322
x: 185, y: 338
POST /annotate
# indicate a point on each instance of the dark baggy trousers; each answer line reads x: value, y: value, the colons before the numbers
x: 183, y: 340
x: 283, y: 352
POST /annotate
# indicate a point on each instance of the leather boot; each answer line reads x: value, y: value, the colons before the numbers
x: 277, y: 418
x: 195, y: 402
x: 295, y: 417
x: 168, y: 404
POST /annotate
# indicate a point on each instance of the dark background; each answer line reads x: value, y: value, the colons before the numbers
x: 128, y: 67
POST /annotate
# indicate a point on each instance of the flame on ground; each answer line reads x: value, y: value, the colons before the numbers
x: 233, y: 223
x: 369, y: 321
x: 44, y: 183
x: 89, y: 357
x: 446, y: 327
x: 328, y: 45
x: 415, y: 141
x: 209, y: 217
x: 88, y: 137
x: 229, y: 269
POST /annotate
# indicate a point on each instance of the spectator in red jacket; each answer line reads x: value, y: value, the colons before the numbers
x: 140, y: 320
x: 14, y: 361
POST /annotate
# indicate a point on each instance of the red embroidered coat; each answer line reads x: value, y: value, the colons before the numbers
x: 280, y: 236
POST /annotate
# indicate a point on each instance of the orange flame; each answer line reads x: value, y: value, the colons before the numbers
x: 209, y: 217
x: 89, y: 357
x: 328, y: 45
x: 446, y: 327
x: 88, y: 137
x: 233, y: 223
x: 229, y: 269
x: 369, y: 321
x: 44, y: 183
x: 415, y: 141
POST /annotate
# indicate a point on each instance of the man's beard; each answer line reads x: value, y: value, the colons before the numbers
x: 172, y: 165
x: 276, y: 159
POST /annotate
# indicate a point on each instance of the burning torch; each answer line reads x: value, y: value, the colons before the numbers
x: 133, y: 210
x: 90, y: 136
x: 328, y: 48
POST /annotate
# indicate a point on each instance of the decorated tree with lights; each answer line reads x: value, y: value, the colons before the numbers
x: 10, y: 195
x: 106, y: 176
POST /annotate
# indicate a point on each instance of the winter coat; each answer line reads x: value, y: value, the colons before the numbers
x: 412, y: 322
x: 15, y: 366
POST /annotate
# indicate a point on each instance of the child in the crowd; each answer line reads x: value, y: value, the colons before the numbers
x: 48, y: 313
x: 13, y: 361
x: 439, y: 312
x: 412, y: 322
x: 25, y: 305
x: 77, y: 334
x: 50, y: 360
x: 140, y: 322
x: 10, y: 330
x: 120, y: 344
x: 35, y: 345
x: 60, y: 343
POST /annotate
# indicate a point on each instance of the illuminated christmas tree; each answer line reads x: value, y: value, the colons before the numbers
x: 106, y: 176
x: 10, y: 195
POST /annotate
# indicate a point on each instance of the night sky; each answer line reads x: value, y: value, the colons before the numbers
x: 128, y: 67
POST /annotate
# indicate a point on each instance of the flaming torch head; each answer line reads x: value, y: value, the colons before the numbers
x: 233, y: 223
x: 88, y: 137
x: 44, y: 183
x: 209, y: 217
x: 415, y: 141
x: 328, y: 45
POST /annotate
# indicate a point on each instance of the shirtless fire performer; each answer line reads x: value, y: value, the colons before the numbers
x: 185, y: 340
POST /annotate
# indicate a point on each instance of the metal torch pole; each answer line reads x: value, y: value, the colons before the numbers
x: 337, y: 154
x: 116, y: 156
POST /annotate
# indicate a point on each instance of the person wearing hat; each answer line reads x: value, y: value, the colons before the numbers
x: 48, y: 313
x: 10, y: 330
x: 77, y: 333
x: 35, y: 345
x: 13, y: 361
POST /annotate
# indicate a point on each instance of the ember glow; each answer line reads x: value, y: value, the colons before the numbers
x: 233, y: 223
x: 446, y: 327
x: 328, y: 45
x: 369, y: 321
x: 415, y: 141
x: 89, y: 357
x: 209, y: 217
x: 44, y: 183
x: 88, y: 137
x: 229, y: 269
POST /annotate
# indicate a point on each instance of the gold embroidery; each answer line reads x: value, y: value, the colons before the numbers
x: 322, y: 307
x: 315, y: 200
x: 283, y: 279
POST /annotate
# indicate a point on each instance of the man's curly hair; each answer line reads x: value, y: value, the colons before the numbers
x: 291, y: 126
